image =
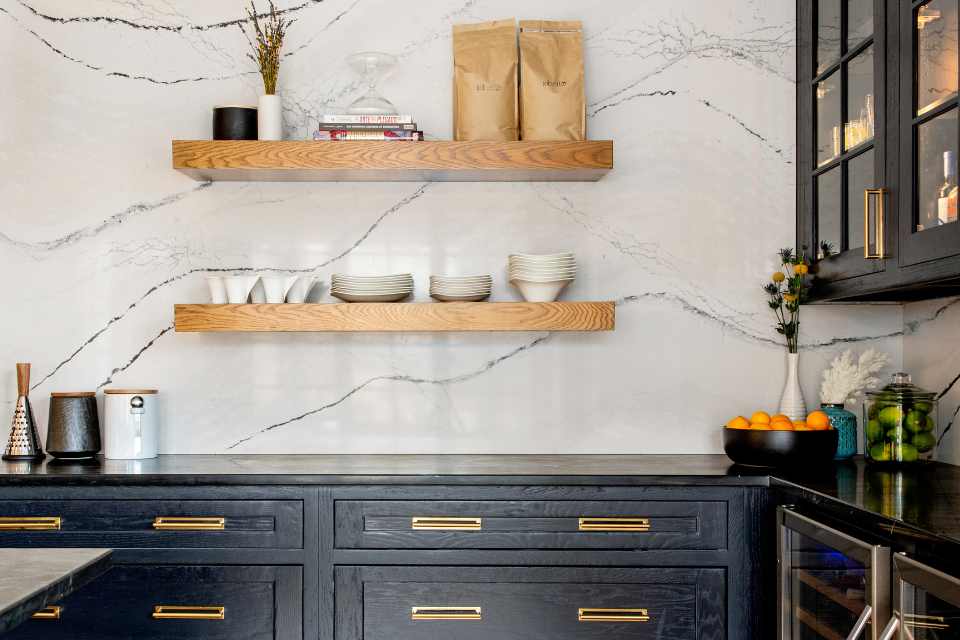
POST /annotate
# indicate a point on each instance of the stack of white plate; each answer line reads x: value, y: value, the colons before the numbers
x: 460, y: 288
x: 371, y: 288
x: 541, y: 278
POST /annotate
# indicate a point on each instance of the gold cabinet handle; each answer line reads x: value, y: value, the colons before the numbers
x: 447, y: 524
x: 30, y: 523
x: 614, y: 524
x: 446, y: 613
x: 613, y: 615
x: 178, y: 612
x: 177, y: 523
x: 879, y: 195
x: 48, y: 613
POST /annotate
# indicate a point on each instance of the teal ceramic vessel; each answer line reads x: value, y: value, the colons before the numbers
x: 845, y: 423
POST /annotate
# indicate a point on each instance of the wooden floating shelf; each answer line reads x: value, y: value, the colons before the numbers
x: 426, y: 161
x: 397, y: 316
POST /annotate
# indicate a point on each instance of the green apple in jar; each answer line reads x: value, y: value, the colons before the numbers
x: 924, y: 441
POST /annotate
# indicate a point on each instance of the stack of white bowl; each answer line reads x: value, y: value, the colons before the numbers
x: 541, y: 278
x: 460, y: 288
x: 391, y: 288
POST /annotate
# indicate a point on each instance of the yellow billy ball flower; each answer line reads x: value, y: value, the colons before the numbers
x: 801, y: 269
x: 778, y: 277
x: 789, y: 297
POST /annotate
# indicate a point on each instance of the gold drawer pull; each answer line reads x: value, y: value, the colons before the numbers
x: 613, y: 615
x: 171, y: 523
x: 30, y: 523
x: 447, y: 524
x: 614, y: 524
x: 48, y: 613
x: 176, y: 612
x: 446, y: 613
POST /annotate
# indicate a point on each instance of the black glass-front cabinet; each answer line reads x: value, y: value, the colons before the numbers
x: 877, y: 144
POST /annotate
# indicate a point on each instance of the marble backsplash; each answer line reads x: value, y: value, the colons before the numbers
x: 100, y: 237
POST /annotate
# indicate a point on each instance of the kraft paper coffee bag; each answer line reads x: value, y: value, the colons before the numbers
x: 485, y: 81
x: 552, y: 103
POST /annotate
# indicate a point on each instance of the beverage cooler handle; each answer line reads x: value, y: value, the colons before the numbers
x: 890, y: 630
x: 861, y: 623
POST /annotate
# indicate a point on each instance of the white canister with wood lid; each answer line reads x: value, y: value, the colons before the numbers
x: 131, y: 424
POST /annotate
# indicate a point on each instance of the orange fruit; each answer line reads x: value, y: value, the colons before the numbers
x: 780, y: 416
x: 800, y: 425
x: 759, y: 426
x: 738, y: 423
x: 760, y: 417
x: 818, y: 420
x: 781, y: 425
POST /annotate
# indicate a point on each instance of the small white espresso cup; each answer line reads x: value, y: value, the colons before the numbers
x: 276, y: 287
x: 218, y: 290
x: 239, y: 288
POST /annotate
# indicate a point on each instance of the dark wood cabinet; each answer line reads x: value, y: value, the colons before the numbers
x: 179, y: 603
x: 877, y: 142
x: 538, y: 603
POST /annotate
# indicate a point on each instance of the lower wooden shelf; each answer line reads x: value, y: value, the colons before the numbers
x: 397, y: 316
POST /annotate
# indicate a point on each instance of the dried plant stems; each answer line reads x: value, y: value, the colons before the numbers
x: 267, y: 43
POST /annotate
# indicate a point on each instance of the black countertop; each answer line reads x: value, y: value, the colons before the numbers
x: 911, y: 507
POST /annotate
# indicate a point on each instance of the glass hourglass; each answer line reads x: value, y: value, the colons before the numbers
x: 372, y: 66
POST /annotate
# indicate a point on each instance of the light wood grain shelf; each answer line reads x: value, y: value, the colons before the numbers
x: 427, y: 161
x: 397, y: 316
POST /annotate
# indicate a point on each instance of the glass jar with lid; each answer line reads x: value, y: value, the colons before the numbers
x: 900, y: 422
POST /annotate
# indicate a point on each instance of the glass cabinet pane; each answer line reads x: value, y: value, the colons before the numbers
x: 927, y: 601
x: 936, y: 203
x: 936, y: 55
x: 828, y: 33
x: 828, y: 590
x: 829, y: 209
x: 860, y: 176
x: 859, y: 21
x: 858, y: 127
x: 829, y: 139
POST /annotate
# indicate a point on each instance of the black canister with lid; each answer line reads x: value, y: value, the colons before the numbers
x: 73, y: 427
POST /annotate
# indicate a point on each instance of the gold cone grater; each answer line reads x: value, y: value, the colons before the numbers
x: 24, y: 443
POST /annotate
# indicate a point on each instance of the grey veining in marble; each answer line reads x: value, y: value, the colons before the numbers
x: 31, y: 579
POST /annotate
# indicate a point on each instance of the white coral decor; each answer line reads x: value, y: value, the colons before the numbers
x: 846, y: 379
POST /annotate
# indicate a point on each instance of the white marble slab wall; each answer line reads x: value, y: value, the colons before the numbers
x: 99, y: 237
x: 931, y: 353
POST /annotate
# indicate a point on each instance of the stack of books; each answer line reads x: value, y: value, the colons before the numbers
x: 367, y: 127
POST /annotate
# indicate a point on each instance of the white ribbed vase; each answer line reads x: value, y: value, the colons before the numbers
x: 269, y: 118
x: 792, y: 404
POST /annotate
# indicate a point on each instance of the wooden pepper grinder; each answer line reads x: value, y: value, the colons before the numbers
x: 24, y: 443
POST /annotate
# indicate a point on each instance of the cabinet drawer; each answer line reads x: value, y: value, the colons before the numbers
x: 152, y: 523
x: 531, y: 524
x: 471, y: 603
x: 257, y: 603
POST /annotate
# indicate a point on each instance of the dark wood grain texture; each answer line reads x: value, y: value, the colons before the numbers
x: 530, y: 602
x: 433, y: 160
x: 531, y: 525
x: 261, y: 603
x: 129, y: 523
x: 397, y: 316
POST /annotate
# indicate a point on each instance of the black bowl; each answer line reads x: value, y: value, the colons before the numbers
x: 779, y: 448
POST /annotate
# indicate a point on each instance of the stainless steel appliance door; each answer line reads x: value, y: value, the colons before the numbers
x: 831, y: 585
x: 926, y: 602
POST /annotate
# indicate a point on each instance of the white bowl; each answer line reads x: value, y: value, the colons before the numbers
x: 391, y: 297
x: 541, y: 256
x: 442, y: 297
x: 540, y: 291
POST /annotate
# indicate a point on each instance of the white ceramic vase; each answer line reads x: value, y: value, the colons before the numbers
x: 792, y: 404
x: 269, y: 118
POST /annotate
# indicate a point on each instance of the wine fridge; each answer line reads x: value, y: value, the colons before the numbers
x: 832, y: 586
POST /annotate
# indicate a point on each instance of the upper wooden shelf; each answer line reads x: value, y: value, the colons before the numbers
x: 426, y: 161
x: 397, y: 316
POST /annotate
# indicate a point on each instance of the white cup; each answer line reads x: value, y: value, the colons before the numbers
x: 276, y: 287
x: 258, y: 294
x: 239, y: 288
x: 301, y: 289
x: 218, y: 290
